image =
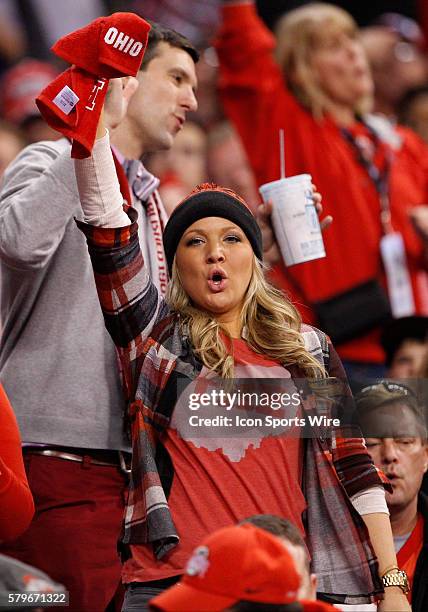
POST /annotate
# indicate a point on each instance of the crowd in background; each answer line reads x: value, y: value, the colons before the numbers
x: 211, y: 147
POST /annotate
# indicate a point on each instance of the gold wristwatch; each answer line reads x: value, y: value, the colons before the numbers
x: 396, y: 577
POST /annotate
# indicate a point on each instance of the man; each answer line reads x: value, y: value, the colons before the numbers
x: 295, y: 544
x: 405, y: 344
x: 57, y: 362
x: 396, y: 439
x: 238, y: 569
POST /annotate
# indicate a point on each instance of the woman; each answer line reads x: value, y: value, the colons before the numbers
x: 16, y: 501
x: 371, y: 174
x: 221, y: 317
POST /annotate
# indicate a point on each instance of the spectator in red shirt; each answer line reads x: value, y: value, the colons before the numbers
x: 16, y: 501
x: 370, y: 173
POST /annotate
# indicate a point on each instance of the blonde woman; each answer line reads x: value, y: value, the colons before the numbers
x: 313, y: 81
x: 221, y: 316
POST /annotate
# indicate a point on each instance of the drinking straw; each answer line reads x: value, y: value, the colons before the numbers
x: 281, y: 153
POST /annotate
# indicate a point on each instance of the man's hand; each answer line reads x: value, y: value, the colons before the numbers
x: 271, y: 252
x: 119, y: 93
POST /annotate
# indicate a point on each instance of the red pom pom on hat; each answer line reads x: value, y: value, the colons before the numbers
x: 108, y: 47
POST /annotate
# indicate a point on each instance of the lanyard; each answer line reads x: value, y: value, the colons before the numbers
x: 379, y: 178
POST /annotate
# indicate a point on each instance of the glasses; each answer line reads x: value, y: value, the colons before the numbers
x: 391, y: 387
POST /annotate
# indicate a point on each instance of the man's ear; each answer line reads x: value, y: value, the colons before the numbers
x: 129, y: 87
x: 119, y: 94
x: 314, y: 583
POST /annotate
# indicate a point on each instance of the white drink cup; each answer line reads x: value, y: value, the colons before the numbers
x: 294, y: 218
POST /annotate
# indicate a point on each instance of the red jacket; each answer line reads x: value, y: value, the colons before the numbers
x: 16, y: 501
x: 258, y: 102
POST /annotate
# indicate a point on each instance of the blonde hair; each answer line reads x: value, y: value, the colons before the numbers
x: 298, y: 33
x: 271, y: 324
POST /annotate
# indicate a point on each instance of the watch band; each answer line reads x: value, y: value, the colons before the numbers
x: 396, y: 577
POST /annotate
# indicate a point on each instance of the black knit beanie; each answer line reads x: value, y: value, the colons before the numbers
x: 210, y: 200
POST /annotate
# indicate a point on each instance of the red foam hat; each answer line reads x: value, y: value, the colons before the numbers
x: 234, y: 564
x: 108, y: 47
x: 72, y: 104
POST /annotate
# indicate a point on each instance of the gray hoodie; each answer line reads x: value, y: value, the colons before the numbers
x: 57, y: 362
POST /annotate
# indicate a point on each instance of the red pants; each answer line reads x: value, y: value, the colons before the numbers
x: 73, y: 536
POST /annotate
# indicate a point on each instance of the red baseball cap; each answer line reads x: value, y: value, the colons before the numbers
x: 235, y: 563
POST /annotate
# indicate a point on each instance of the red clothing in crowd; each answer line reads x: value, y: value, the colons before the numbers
x: 16, y: 501
x: 215, y: 479
x: 408, y: 554
x: 257, y: 100
x: 422, y: 7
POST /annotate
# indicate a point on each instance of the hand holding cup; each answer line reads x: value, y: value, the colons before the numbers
x: 271, y: 252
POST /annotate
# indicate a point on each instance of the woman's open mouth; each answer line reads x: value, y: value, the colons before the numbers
x: 217, y: 281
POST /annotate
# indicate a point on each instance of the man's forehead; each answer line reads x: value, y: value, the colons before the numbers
x: 166, y: 53
x: 411, y: 344
x: 394, y: 420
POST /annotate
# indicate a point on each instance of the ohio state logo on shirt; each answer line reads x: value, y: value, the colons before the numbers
x: 122, y: 41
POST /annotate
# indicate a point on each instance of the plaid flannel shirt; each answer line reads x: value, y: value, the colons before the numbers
x: 155, y: 355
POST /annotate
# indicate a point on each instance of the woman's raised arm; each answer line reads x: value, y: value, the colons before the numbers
x: 130, y: 302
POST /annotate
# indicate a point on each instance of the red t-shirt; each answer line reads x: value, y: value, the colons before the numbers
x: 16, y: 501
x: 408, y: 554
x: 220, y: 481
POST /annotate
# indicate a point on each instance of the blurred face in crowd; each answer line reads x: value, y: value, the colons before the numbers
x: 408, y: 360
x: 397, y: 65
x: 187, y: 158
x: 340, y: 66
x: 36, y: 129
x: 214, y: 261
x: 401, y: 452
x: 228, y: 165
x: 166, y: 93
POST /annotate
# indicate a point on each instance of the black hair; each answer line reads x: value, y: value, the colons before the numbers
x: 397, y: 331
x: 160, y: 33
x: 277, y: 526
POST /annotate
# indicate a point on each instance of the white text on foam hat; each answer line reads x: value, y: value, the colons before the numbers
x: 123, y: 42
